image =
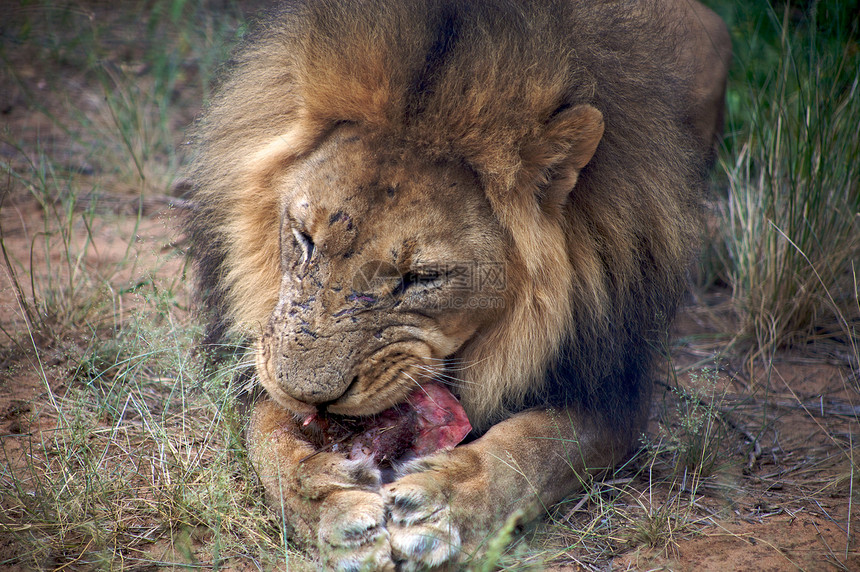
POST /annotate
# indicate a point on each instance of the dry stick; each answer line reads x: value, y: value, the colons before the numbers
x: 850, y: 494
x: 824, y: 542
x: 834, y: 407
x: 755, y: 454
x: 22, y: 302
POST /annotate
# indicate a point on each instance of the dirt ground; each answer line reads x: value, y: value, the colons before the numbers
x: 781, y: 493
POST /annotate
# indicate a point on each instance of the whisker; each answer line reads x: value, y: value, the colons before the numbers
x: 236, y: 368
x: 446, y: 359
x: 450, y: 379
x: 415, y: 381
x: 466, y: 364
x: 422, y: 388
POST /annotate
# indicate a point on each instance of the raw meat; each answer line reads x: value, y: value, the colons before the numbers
x: 431, y: 419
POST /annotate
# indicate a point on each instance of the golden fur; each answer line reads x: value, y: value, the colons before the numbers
x: 561, y: 142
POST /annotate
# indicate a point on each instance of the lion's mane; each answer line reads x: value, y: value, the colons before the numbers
x: 594, y: 279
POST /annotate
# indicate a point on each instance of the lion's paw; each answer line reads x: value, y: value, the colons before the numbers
x: 423, y: 534
x: 352, y: 534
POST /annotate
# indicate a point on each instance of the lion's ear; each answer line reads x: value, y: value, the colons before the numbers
x: 565, y: 146
x: 582, y: 128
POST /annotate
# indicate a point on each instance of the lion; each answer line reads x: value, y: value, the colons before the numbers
x: 520, y: 178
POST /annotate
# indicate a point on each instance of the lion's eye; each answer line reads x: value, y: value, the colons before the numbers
x: 424, y: 278
x: 305, y: 243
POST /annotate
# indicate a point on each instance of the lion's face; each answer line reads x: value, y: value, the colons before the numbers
x: 390, y: 262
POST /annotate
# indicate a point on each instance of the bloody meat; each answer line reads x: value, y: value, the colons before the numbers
x: 431, y: 419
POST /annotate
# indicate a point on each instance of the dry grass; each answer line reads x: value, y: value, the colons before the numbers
x: 789, y: 226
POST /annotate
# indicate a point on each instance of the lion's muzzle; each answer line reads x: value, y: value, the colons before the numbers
x: 310, y: 367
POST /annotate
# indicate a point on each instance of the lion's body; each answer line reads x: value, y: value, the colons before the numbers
x: 551, y: 151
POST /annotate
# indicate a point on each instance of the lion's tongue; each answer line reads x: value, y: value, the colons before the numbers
x: 441, y: 421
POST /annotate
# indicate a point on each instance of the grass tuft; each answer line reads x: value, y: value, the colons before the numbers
x: 790, y: 224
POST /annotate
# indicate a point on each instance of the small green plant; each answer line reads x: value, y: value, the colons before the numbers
x: 498, y: 544
x: 694, y: 435
x: 655, y: 526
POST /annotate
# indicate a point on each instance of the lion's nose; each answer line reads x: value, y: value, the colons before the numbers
x: 316, y: 375
x: 314, y: 360
x: 316, y: 390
